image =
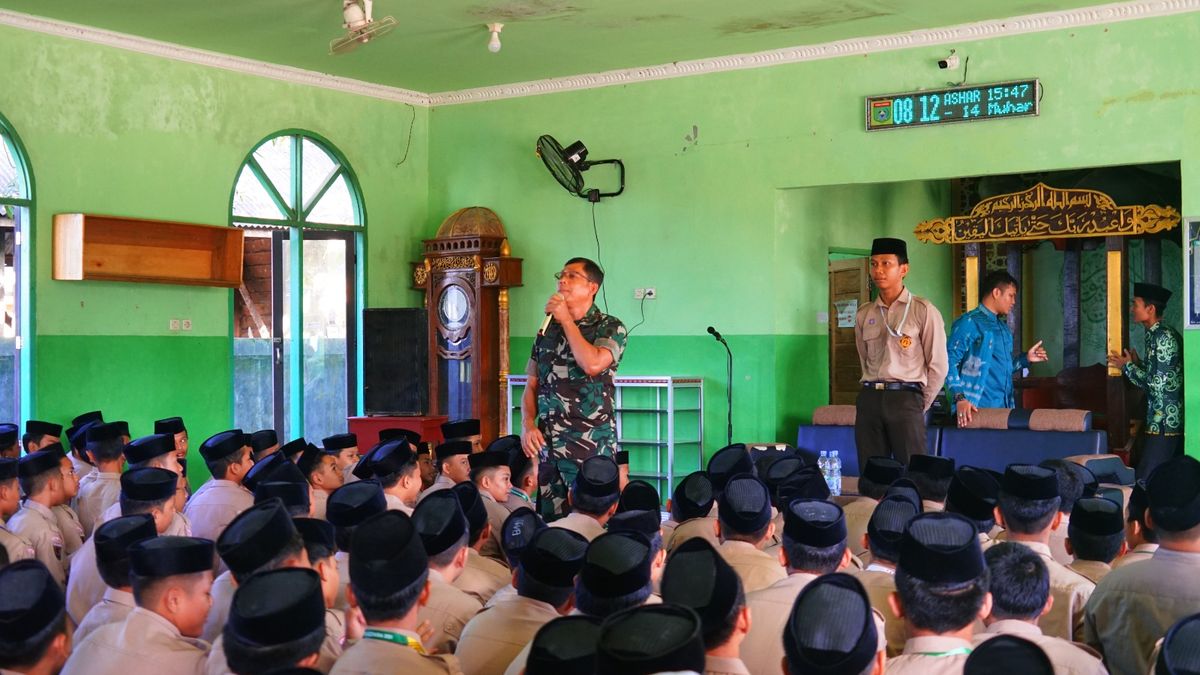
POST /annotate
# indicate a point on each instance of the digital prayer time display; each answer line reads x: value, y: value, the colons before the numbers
x: 1001, y: 100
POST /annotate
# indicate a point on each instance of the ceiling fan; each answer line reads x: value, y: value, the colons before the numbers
x: 360, y: 26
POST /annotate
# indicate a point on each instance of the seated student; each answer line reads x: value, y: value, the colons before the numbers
x: 321, y: 470
x: 931, y: 474
x: 615, y: 575
x: 276, y: 620
x: 74, y: 442
x: 651, y: 639
x: 1027, y: 509
x: 699, y: 578
x: 1020, y: 587
x: 146, y: 490
x: 1008, y: 654
x: 1141, y: 541
x: 389, y: 583
x: 519, y: 530
x: 807, y: 483
x: 691, y: 510
x: 68, y: 520
x: 10, y: 447
x: 171, y: 577
x: 444, y: 532
x: 39, y: 434
x: 941, y: 591
x: 593, y: 497
x: 14, y: 546
x: 177, y: 430
x: 344, y: 448
x: 261, y: 538
x: 491, y: 473
x: 565, y: 646
x: 112, y: 542
x: 452, y: 465
x: 220, y: 499
x: 101, y: 488
x: 1070, y: 477
x: 260, y: 471
x: 1096, y: 536
x: 320, y: 545
x: 744, y: 519
x: 1135, y: 605
x: 1176, y: 652
x: 294, y: 496
x: 393, y: 464
x: 647, y: 524
x: 263, y: 444
x: 41, y: 478
x: 481, y: 576
x: 545, y: 581
x: 884, y: 533
x: 814, y: 543
x: 774, y: 471
x: 973, y: 493
x: 348, y: 507
x: 524, y: 477
x: 34, y: 637
x: 832, y: 630
x: 466, y: 430
x: 294, y: 448
x: 877, y: 475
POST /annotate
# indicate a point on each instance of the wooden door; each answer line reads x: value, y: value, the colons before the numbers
x: 849, y: 289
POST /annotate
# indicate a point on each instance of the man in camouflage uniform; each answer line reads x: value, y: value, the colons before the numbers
x: 567, y: 407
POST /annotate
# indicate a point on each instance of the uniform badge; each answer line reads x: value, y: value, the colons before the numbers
x: 905, y: 342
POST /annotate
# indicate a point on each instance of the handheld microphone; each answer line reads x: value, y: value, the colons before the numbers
x: 545, y: 325
x: 715, y: 333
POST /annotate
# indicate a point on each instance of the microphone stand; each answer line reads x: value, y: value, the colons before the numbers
x: 728, y: 385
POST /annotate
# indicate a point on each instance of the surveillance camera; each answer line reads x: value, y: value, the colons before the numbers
x: 948, y: 63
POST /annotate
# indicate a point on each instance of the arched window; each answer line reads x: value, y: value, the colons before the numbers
x: 16, y: 205
x: 295, y: 325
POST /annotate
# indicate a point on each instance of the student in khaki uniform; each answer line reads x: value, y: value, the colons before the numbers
x: 807, y: 483
x: 814, y: 543
x: 491, y: 473
x: 518, y: 531
x: 877, y: 475
x: 10, y: 447
x: 321, y: 470
x: 146, y: 490
x: 691, y: 503
x: 481, y: 576
x: 1141, y: 541
x: 647, y: 524
x: 263, y: 444
x: 465, y: 430
x: 1072, y: 479
x: 261, y: 471
x: 216, y: 503
x: 41, y: 479
x: 34, y: 630
x: 545, y: 582
x: 1096, y: 536
x: 1176, y: 652
x: 320, y: 545
x: 389, y: 583
x: 651, y: 639
x: 617, y: 574
x: 348, y: 507
x: 1009, y: 654
x: 1020, y: 587
x: 344, y: 448
x: 10, y: 501
x: 276, y: 621
x: 593, y: 497
x: 170, y: 578
x: 931, y: 474
x: 155, y: 451
x: 443, y: 530
x: 74, y: 442
x: 39, y: 434
x: 884, y: 533
x: 101, y: 488
x: 1135, y: 605
x: 177, y: 430
x: 566, y: 645
x: 699, y: 578
x: 941, y: 591
x: 393, y: 465
x: 112, y: 542
x: 973, y: 493
x: 1027, y: 508
x: 68, y: 520
x: 523, y: 475
x: 744, y: 517
x: 832, y: 629
x: 453, y: 466
x: 288, y: 486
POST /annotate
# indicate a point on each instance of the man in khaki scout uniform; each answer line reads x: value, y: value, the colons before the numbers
x: 320, y: 468
x: 814, y: 543
x: 1096, y: 536
x: 545, y: 583
x: 10, y: 501
x: 691, y: 510
x: 68, y: 520
x: 171, y: 577
x: 744, y: 514
x: 1140, y: 541
x: 42, y: 481
x: 155, y: 451
x: 877, y: 474
x: 101, y: 488
x: 594, y: 494
x: 1020, y: 587
x: 651, y: 639
x: 453, y: 467
x: 443, y: 530
x: 931, y: 475
x: 884, y: 534
x: 1134, y: 605
x: 1028, y: 510
x: 973, y: 493
x: 524, y: 476
x: 111, y: 543
x: 492, y: 474
x: 39, y: 434
x: 519, y: 530
x: 832, y: 628
x: 698, y: 577
x: 344, y: 448
x: 481, y: 577
x: 941, y: 592
x: 901, y: 342
x: 348, y: 507
x: 10, y: 446
x: 394, y: 465
x: 216, y: 503
x: 389, y: 583
x: 617, y: 574
x: 276, y: 621
x: 34, y: 630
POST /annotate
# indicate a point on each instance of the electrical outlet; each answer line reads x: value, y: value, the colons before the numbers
x: 651, y: 294
x: 186, y: 324
x: 174, y: 325
x: 638, y: 293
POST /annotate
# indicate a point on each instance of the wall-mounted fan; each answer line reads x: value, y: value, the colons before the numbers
x: 568, y: 164
x: 360, y: 27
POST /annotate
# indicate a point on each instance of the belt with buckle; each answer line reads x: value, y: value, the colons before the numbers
x: 894, y: 386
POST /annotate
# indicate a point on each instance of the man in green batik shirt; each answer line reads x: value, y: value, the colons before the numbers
x: 1160, y: 375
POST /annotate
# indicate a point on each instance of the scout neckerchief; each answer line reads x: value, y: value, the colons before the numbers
x: 514, y: 492
x: 960, y: 651
x: 394, y: 638
x: 905, y: 341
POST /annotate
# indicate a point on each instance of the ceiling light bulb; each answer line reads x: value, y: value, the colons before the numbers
x: 494, y: 43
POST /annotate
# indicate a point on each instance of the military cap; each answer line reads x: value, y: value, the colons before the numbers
x: 149, y: 484
x: 386, y: 554
x: 316, y: 531
x: 40, y: 462
x: 890, y: 519
x: 277, y: 607
x: 831, y: 629
x: 639, y: 495
x: 293, y: 495
x: 171, y: 556
x: 222, y: 445
x: 488, y: 459
x: 815, y: 523
x: 1151, y: 293
x: 884, y: 470
x: 890, y: 246
x: 393, y: 433
x: 8, y: 469
x: 293, y: 448
x: 113, y: 538
x: 1179, y: 655
x: 449, y: 449
x: 807, y: 483
x: 564, y: 646
x: 8, y: 434
x: 645, y: 523
x: 460, y: 428
x: 598, y: 477
x: 472, y: 506
x: 907, y: 489
x: 651, y: 639
x: 937, y: 468
x: 518, y: 530
x: 621, y: 458
x: 554, y: 557
x: 696, y: 576
x: 90, y: 416
x: 440, y: 521
x: 617, y: 563
x: 693, y: 497
x: 1174, y: 494
x: 941, y: 548
x: 40, y: 428
x: 309, y: 458
x: 263, y: 439
x: 727, y: 462
x: 1096, y: 516
x: 339, y: 442
x: 973, y: 493
x: 1026, y: 481
x: 147, y: 448
x: 169, y: 425
x: 744, y: 505
x: 256, y: 536
x: 30, y: 601
x: 1005, y: 654
x: 261, y: 469
x: 354, y: 502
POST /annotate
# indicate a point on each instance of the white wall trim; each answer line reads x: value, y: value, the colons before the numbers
x: 1032, y: 23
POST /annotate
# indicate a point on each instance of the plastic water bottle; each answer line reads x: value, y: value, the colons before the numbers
x: 835, y: 474
x: 823, y: 465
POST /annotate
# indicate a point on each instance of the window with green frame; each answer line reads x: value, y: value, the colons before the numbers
x: 16, y: 205
x: 295, y: 315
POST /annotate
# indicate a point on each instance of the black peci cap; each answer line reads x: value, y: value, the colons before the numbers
x: 471, y: 504
x: 263, y: 468
x: 651, y: 639
x: 744, y: 505
x: 99, y: 432
x: 90, y: 416
x: 488, y: 459
x: 293, y: 495
x: 113, y: 538
x: 815, y: 523
x: 807, y: 483
x: 1173, y: 490
x: 1179, y: 655
x: 1006, y: 654
x: 170, y: 556
x: 937, y: 468
x: 518, y: 530
x: 391, y: 457
x: 339, y: 442
x: 263, y: 439
x: 255, y: 537
x: 222, y: 445
x: 30, y: 601
x: 906, y: 489
x: 621, y: 457
x: 8, y: 469
x: 309, y: 458
x: 276, y: 607
x: 386, y: 554
x: 646, y: 523
x: 728, y: 462
x: 565, y: 646
x: 831, y: 629
x: 639, y: 495
x: 351, y: 504
x: 393, y: 433
x: 507, y: 444
x: 693, y: 497
x: 451, y: 448
x: 439, y: 521
x: 617, y: 563
x: 554, y: 556
x: 147, y: 448
x: 941, y: 548
x: 40, y: 428
x: 316, y: 531
x: 884, y: 470
x: 43, y: 461
x: 1026, y: 481
x: 889, y: 520
x: 973, y: 493
x: 1096, y: 516
x: 889, y: 245
x: 1151, y: 292
x: 293, y: 448
x: 169, y: 425
x: 781, y: 469
x: 696, y: 576
x: 8, y: 434
x: 598, y: 477
x: 149, y: 484
x: 460, y: 428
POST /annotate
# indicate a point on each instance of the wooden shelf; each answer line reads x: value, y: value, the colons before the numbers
x: 108, y: 248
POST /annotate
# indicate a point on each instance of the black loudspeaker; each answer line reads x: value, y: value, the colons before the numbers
x: 395, y: 361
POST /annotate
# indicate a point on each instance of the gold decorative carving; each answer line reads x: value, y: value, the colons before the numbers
x: 1043, y: 212
x: 420, y: 275
x: 491, y: 272
x: 473, y: 220
x: 454, y: 262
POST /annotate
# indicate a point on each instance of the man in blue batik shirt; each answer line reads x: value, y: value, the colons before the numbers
x: 981, y: 351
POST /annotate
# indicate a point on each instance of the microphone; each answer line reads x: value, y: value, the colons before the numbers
x: 545, y: 325
x: 728, y: 384
x: 715, y: 333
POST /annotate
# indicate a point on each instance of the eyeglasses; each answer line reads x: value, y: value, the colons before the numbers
x: 570, y: 275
